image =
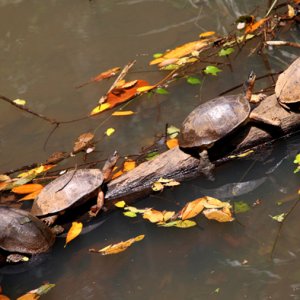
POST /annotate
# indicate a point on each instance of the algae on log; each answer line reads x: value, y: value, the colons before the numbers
x: 179, y: 165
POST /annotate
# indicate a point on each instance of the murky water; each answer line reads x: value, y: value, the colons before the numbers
x: 47, y: 48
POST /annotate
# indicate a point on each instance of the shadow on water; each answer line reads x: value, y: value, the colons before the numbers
x: 49, y: 48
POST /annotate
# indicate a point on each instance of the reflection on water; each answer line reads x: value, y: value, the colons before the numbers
x: 51, y: 47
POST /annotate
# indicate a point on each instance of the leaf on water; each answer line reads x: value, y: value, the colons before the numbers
x: 120, y: 204
x: 250, y: 28
x: 211, y: 202
x: 145, y: 88
x: 155, y: 216
x: 20, y: 102
x: 129, y: 214
x: 212, y: 70
x: 172, y: 143
x: 161, y: 91
x: 73, y: 232
x: 297, y: 161
x: 226, y: 52
x: 241, y: 207
x: 241, y: 155
x: 192, y: 209
x: 135, y: 210
x: 100, y: 108
x: 35, y: 294
x: 123, y: 113
x: 279, y: 218
x: 223, y: 215
x: 206, y: 34
x: 157, y: 55
x: 110, y: 131
x: 83, y: 142
x: 172, y: 131
x: 36, y: 171
x: 193, y: 80
x: 157, y: 186
x: 179, y: 224
x: 169, y: 61
x: 170, y: 67
x: 239, y: 39
x: 4, y: 177
x: 27, y: 188
x: 120, y: 247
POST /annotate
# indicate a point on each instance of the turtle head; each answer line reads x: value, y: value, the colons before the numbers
x: 109, y: 165
x: 249, y: 84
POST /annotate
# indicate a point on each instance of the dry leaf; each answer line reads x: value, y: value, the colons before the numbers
x: 218, y: 215
x: 36, y: 171
x: 35, y: 294
x: 31, y: 196
x: 156, y: 216
x: 179, y: 224
x: 254, y: 26
x: 129, y: 165
x: 123, y: 113
x: 192, y: 209
x: 73, y: 232
x: 83, y: 141
x: 129, y: 84
x: 27, y: 188
x: 110, y: 131
x: 206, y: 34
x: 172, y: 143
x: 120, y: 247
x: 157, y: 186
x: 145, y: 88
x: 211, y: 202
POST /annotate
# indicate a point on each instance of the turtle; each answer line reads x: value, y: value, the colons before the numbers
x: 72, y: 189
x: 22, y: 233
x: 287, y: 87
x: 215, y: 119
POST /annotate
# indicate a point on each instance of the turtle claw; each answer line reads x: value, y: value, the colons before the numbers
x: 49, y: 220
x: 205, y: 165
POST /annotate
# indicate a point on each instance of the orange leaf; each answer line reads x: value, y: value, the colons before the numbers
x: 31, y: 196
x: 73, y: 232
x: 129, y: 165
x: 106, y: 74
x: 254, y: 26
x: 192, y: 209
x: 153, y: 215
x: 3, y: 297
x: 206, y: 34
x: 117, y: 174
x: 27, y: 188
x: 218, y: 215
x: 171, y: 143
x: 123, y: 113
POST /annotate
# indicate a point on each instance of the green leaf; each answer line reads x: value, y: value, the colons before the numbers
x: 129, y: 214
x: 120, y: 204
x: 213, y: 70
x: 170, y: 67
x: 135, y: 210
x: 172, y: 131
x: 193, y: 80
x: 297, y: 159
x: 157, y: 55
x: 241, y: 207
x: 179, y: 224
x: 161, y: 91
x: 279, y: 218
x: 152, y: 155
x: 225, y: 52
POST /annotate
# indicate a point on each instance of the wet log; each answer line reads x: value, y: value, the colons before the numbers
x: 179, y: 165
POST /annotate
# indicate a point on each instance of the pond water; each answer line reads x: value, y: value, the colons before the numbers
x: 47, y: 48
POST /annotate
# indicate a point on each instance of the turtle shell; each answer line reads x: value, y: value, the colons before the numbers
x: 287, y: 87
x: 212, y: 120
x: 22, y: 232
x: 67, y: 190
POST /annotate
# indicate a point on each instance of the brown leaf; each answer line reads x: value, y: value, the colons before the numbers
x: 83, y: 142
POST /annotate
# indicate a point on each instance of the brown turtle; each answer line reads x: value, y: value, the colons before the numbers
x: 72, y: 189
x: 22, y: 233
x: 287, y: 87
x: 213, y: 120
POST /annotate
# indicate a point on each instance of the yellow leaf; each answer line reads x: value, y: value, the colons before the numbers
x: 172, y: 183
x: 172, y: 143
x: 123, y: 113
x: 192, y: 209
x: 206, y: 34
x: 20, y: 102
x: 110, y: 131
x: 244, y: 154
x: 218, y: 215
x: 156, y: 61
x: 37, y: 170
x: 100, y: 108
x: 145, y: 88
x: 73, y: 232
x: 27, y: 188
x: 211, y: 202
x: 120, y: 204
x: 129, y: 165
x: 120, y: 247
x: 157, y: 186
x: 153, y: 215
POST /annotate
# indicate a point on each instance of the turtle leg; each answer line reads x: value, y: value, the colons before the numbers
x: 94, y: 210
x: 260, y: 118
x: 205, y: 165
x: 50, y: 220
